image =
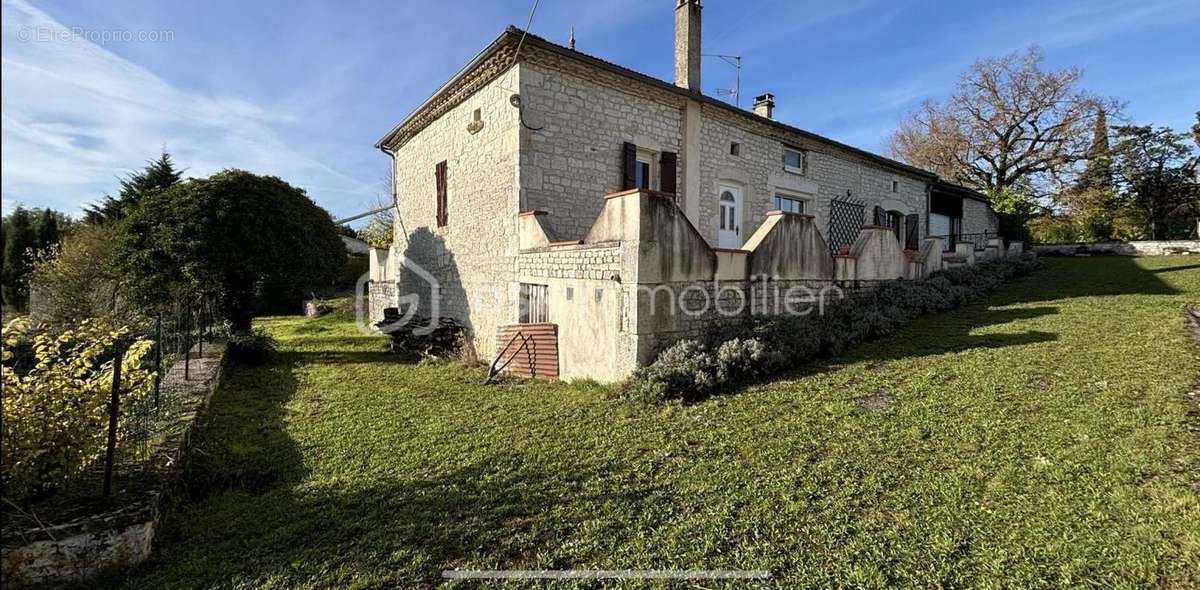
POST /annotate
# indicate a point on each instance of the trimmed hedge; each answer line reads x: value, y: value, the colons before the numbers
x: 691, y: 370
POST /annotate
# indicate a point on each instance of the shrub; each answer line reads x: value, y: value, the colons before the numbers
x: 254, y: 347
x: 78, y: 280
x: 739, y: 359
x: 56, y: 398
x: 689, y: 371
x: 686, y: 370
x: 255, y: 242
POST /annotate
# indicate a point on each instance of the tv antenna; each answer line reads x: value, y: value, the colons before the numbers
x: 736, y: 91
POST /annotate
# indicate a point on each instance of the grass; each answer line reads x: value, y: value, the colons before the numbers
x: 1039, y: 438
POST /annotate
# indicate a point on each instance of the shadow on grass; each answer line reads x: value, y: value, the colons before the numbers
x: 254, y: 513
x: 1064, y: 278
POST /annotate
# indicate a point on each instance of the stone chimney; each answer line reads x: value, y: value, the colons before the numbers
x: 764, y: 105
x: 687, y: 44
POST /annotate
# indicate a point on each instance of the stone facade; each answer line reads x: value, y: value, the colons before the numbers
x: 978, y: 218
x: 583, y: 121
x: 585, y: 116
x: 534, y: 154
x: 757, y: 170
x: 472, y: 257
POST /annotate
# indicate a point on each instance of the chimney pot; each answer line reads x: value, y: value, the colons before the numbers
x: 687, y: 44
x: 764, y: 105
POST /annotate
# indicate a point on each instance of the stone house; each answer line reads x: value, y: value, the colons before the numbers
x: 547, y: 198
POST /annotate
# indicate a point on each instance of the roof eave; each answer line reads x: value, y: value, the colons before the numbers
x: 451, y: 83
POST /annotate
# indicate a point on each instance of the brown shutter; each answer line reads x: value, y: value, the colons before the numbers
x: 912, y: 232
x: 666, y: 173
x: 629, y: 163
x: 441, y: 193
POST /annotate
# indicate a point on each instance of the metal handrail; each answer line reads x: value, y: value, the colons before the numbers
x: 493, y: 370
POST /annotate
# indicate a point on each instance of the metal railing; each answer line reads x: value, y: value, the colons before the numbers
x: 978, y: 238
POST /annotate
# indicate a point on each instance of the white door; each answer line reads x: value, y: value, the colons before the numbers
x: 729, y: 227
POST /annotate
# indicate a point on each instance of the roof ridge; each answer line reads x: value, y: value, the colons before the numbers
x: 512, y: 31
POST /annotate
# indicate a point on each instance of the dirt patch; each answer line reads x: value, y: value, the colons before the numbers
x: 880, y: 401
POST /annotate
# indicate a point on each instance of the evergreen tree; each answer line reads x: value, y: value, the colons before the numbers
x: 1157, y: 170
x: 49, y: 230
x: 19, y: 239
x: 1098, y: 174
x: 158, y: 175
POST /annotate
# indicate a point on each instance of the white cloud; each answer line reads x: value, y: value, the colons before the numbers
x: 76, y: 115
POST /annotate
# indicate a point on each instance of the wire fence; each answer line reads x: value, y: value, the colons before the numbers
x: 127, y: 458
x: 179, y: 336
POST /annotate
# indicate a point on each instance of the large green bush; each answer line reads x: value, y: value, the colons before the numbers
x: 253, y: 243
x: 691, y: 370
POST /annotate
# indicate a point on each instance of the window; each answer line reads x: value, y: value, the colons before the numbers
x: 440, y: 180
x: 641, y: 174
x: 793, y: 160
x: 728, y: 206
x: 735, y: 148
x: 643, y: 169
x: 895, y: 186
x: 534, y: 304
x: 789, y: 204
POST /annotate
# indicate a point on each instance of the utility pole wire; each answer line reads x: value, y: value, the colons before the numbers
x: 528, y: 24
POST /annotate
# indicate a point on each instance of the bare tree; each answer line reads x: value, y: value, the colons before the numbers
x: 1009, y: 125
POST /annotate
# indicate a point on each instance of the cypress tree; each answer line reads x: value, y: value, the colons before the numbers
x: 1098, y: 175
x: 19, y: 238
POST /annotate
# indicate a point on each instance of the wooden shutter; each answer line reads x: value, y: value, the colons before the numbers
x: 440, y: 175
x: 666, y: 173
x: 880, y: 216
x: 912, y: 232
x: 629, y: 165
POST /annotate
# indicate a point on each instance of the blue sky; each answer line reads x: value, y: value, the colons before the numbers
x: 303, y: 90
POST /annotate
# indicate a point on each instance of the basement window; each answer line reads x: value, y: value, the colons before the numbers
x: 793, y: 160
x: 534, y: 304
x: 789, y: 204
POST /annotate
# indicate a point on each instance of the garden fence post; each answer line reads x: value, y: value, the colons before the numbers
x: 187, y: 344
x: 203, y: 327
x: 111, y: 450
x: 157, y: 357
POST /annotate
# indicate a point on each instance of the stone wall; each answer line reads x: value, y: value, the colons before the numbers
x: 559, y: 155
x: 380, y: 296
x: 584, y: 116
x: 583, y: 261
x: 978, y: 218
x: 758, y: 171
x: 584, y: 299
x: 1139, y: 248
x: 471, y: 259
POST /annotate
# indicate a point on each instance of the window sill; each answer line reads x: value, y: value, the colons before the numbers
x: 794, y: 170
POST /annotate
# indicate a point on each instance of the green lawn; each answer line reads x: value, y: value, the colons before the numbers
x: 1037, y: 439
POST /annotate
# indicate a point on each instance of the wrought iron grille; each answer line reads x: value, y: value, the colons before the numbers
x: 845, y: 221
